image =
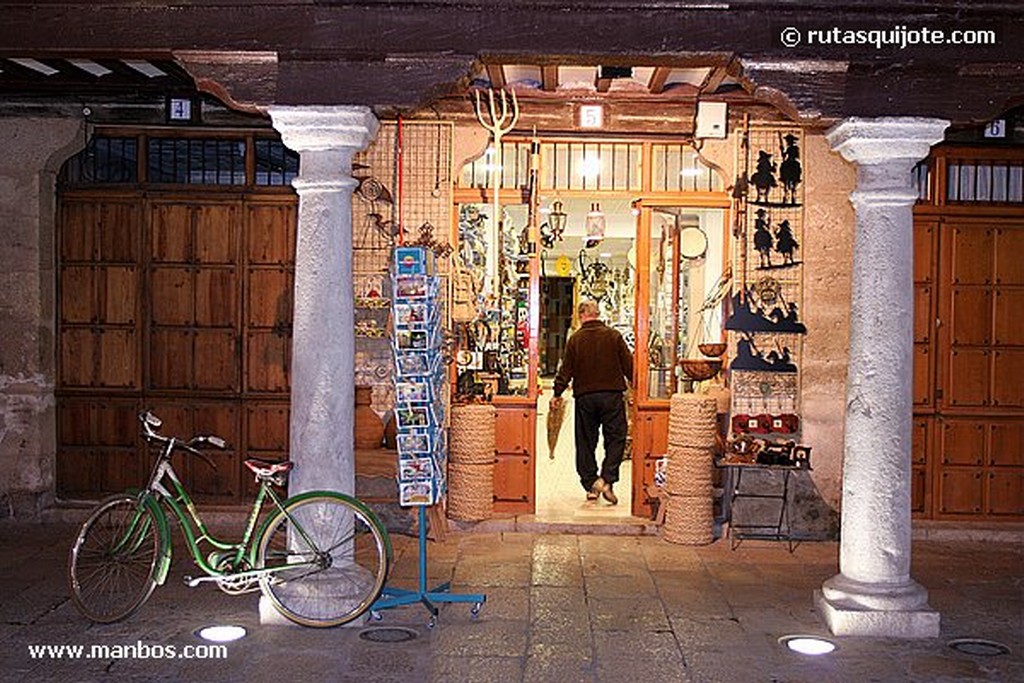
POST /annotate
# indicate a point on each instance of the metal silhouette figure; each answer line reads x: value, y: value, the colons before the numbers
x: 763, y: 178
x: 790, y: 171
x: 749, y: 357
x: 785, y: 243
x: 763, y: 239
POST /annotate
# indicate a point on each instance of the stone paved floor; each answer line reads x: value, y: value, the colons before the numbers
x: 560, y: 608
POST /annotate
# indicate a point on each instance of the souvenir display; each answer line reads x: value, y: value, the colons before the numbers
x: 420, y: 379
x: 765, y: 318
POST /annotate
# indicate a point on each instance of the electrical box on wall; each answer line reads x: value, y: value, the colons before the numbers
x: 712, y: 119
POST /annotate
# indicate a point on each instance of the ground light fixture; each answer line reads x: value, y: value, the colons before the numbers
x: 221, y: 633
x: 808, y: 645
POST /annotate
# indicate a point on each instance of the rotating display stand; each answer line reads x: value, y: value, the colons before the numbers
x: 420, y: 388
x: 396, y: 597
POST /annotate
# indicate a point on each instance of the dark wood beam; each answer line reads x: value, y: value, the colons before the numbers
x: 549, y: 77
x: 714, y: 79
x: 656, y: 85
x: 392, y: 53
x: 496, y: 75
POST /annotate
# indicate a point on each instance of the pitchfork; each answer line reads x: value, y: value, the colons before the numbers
x: 500, y: 117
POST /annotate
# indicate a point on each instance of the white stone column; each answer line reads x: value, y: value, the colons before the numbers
x: 873, y: 594
x: 323, y: 331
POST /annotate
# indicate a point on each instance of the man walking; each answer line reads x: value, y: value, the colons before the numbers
x: 598, y: 364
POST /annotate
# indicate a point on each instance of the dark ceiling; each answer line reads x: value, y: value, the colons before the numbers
x: 399, y: 55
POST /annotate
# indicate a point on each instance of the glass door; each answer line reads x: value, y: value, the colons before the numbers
x: 681, y: 293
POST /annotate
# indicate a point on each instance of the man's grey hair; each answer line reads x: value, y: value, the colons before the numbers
x: 587, y: 308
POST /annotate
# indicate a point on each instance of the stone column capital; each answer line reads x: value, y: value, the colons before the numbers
x: 321, y: 129
x: 888, y: 141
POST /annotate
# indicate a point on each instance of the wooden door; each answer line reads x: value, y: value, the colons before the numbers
x: 926, y: 249
x: 650, y: 443
x: 514, y: 457
x: 100, y: 344
x: 195, y: 296
x: 182, y: 304
x: 978, y: 432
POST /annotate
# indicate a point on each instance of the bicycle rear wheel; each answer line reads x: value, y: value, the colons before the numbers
x: 112, y: 564
x: 337, y: 553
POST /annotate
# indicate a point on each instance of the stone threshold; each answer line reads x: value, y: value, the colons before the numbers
x: 935, y: 530
x: 922, y: 530
x: 531, y: 524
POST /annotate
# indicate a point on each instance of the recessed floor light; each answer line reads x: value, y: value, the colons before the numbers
x: 979, y: 647
x: 221, y: 634
x: 808, y: 645
x: 388, y: 634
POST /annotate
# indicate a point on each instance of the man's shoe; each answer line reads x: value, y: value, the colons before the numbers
x: 609, y: 495
x: 596, y: 489
x: 592, y: 495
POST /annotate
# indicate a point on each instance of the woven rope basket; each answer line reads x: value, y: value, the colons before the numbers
x: 692, y: 435
x: 470, y: 491
x: 692, y: 406
x: 688, y: 520
x: 688, y: 472
x: 472, y: 434
x: 692, y: 426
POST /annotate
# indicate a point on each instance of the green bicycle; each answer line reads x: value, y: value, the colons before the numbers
x: 321, y: 557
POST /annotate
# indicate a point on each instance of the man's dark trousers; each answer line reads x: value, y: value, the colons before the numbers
x: 607, y: 410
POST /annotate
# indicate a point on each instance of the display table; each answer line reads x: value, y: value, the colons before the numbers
x: 776, y: 528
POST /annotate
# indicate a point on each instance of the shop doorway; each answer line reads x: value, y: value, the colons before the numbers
x: 589, y: 211
x: 593, y: 258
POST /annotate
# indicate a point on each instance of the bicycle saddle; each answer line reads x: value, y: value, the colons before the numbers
x: 268, y: 468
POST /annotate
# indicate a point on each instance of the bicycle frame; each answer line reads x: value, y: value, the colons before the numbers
x: 323, y: 571
x: 194, y: 528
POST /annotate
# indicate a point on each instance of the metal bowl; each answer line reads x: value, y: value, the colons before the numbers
x: 712, y: 349
x: 700, y: 369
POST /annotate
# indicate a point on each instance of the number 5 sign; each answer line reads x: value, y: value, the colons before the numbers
x: 591, y: 116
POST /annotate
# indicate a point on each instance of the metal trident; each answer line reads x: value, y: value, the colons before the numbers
x: 500, y: 117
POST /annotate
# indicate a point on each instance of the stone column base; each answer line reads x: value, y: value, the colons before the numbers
x: 269, y: 616
x: 853, y: 608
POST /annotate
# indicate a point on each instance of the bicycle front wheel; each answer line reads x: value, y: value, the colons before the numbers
x: 112, y: 564
x: 329, y: 559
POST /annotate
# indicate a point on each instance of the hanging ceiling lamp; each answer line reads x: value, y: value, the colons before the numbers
x: 557, y: 219
x: 595, y: 226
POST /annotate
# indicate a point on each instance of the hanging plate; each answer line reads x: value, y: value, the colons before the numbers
x: 693, y: 242
x: 563, y: 266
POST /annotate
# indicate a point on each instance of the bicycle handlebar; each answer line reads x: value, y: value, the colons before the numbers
x: 151, y: 423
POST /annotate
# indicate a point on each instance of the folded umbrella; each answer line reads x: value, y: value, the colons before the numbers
x: 556, y: 414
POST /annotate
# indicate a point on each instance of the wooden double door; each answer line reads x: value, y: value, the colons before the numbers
x: 181, y: 304
x: 968, y: 440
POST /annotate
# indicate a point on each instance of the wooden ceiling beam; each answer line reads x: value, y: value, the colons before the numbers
x: 549, y: 77
x: 496, y: 75
x: 714, y: 79
x: 656, y: 85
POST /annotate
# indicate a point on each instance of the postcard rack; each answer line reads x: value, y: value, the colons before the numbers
x: 420, y: 398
